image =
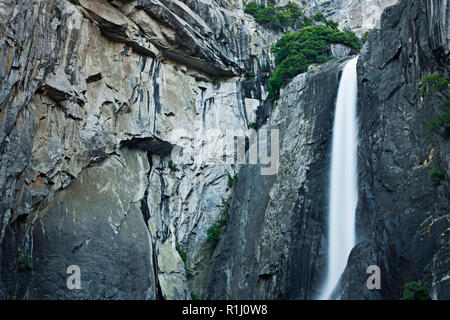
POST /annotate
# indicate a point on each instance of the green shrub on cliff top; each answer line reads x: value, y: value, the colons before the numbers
x: 278, y: 18
x: 296, y: 51
x: 282, y: 17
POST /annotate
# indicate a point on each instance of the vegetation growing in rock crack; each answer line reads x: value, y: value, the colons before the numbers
x: 232, y: 180
x: 194, y: 297
x: 295, y: 52
x: 414, y: 291
x: 436, y: 86
x: 252, y: 125
x: 266, y: 68
x: 173, y: 167
x: 435, y: 176
x: 213, y: 232
x: 365, y: 36
x: 183, y: 255
x: 25, y: 262
x: 319, y: 17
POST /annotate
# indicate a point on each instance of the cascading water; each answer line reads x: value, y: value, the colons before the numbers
x: 343, y: 182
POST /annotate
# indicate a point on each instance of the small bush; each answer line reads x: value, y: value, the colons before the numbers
x: 252, y: 125
x: 173, y: 167
x: 414, y: 291
x: 75, y: 2
x: 194, y: 297
x: 441, y: 123
x: 183, y: 255
x: 319, y: 17
x: 25, y: 263
x: 435, y: 176
x: 332, y: 24
x: 213, y: 232
x: 232, y: 180
x: 226, y: 203
x: 438, y: 86
x: 189, y: 273
x: 431, y: 84
x: 365, y: 36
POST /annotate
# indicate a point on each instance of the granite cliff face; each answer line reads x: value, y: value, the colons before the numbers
x: 90, y: 98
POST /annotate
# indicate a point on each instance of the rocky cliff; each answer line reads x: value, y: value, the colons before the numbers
x: 94, y: 96
x: 91, y: 95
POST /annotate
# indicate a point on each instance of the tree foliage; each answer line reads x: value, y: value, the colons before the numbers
x: 296, y: 51
x: 278, y: 18
x: 432, y: 83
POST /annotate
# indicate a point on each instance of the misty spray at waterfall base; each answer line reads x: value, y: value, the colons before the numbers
x: 343, y: 179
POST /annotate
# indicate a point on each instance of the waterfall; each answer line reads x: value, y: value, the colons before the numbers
x: 343, y: 179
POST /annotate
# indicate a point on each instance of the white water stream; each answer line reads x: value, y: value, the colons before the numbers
x: 343, y: 182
